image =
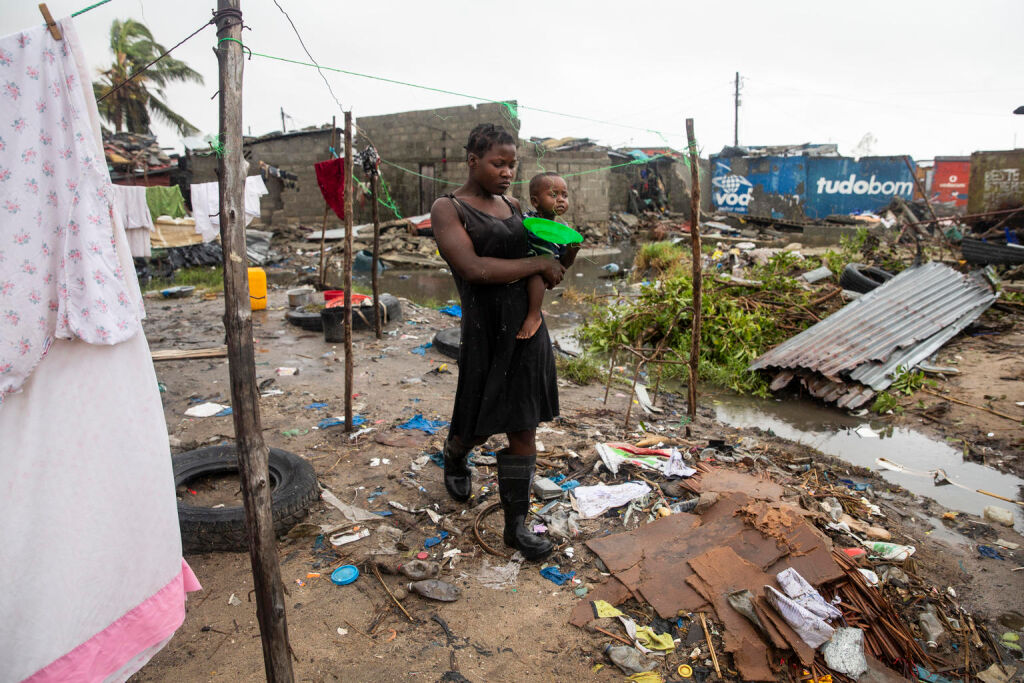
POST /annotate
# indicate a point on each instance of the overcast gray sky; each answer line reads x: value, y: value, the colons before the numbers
x: 926, y: 79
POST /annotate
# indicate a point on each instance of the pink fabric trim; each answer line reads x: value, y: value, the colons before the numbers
x: 149, y: 623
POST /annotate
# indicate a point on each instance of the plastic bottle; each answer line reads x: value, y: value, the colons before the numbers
x: 629, y: 659
x: 436, y: 590
x: 930, y: 627
x: 891, y: 551
x: 417, y: 570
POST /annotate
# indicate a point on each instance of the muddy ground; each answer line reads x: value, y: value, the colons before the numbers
x: 515, y: 633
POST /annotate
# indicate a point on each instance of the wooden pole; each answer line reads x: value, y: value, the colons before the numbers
x: 697, y: 276
x: 376, y: 255
x: 252, y: 451
x: 351, y: 180
x: 327, y: 208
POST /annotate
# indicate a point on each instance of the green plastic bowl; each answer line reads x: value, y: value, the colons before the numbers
x: 552, y: 231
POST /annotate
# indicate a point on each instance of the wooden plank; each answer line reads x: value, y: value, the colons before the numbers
x: 185, y: 354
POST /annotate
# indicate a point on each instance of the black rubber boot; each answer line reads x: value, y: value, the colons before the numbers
x: 458, y: 480
x: 515, y: 479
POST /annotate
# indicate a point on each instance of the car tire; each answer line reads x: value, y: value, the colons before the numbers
x: 858, y: 277
x: 305, y: 319
x: 204, y: 529
x: 449, y: 342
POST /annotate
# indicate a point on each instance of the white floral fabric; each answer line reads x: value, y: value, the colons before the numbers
x: 59, y: 273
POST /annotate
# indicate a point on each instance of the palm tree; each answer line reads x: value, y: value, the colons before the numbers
x: 130, y: 106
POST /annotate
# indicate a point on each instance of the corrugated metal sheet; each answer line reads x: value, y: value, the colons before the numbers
x: 853, y: 353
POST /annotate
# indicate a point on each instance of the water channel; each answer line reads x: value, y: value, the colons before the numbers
x: 857, y: 440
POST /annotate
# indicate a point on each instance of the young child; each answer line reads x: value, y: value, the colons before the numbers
x: 550, y: 198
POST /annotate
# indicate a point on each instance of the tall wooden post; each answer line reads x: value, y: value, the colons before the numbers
x: 697, y: 275
x: 351, y: 180
x: 327, y: 208
x: 376, y: 255
x: 252, y: 451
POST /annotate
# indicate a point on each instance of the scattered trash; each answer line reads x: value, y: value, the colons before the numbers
x: 629, y: 659
x: 287, y: 372
x: 453, y: 310
x: 208, y: 410
x: 294, y: 432
x: 667, y: 461
x: 351, y: 512
x: 845, y: 652
x: 891, y: 551
x: 421, y: 350
x: 499, y: 577
x: 930, y: 627
x: 345, y: 574
x: 377, y: 462
x: 592, y: 501
x: 422, y: 424
x: 419, y: 570
x: 546, y: 489
x: 999, y: 515
x: 329, y: 422
x: 343, y: 539
x: 234, y: 601
x: 436, y: 590
x: 552, y: 574
x: 989, y: 552
x: 435, y: 540
x: 315, y: 406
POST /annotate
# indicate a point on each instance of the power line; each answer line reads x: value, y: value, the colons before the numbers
x: 303, y: 44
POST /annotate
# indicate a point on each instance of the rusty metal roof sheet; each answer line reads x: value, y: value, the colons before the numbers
x: 900, y: 323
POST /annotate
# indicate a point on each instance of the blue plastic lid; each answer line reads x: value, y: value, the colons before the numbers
x: 344, y: 575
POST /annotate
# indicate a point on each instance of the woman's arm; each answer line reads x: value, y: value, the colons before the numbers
x: 457, y: 249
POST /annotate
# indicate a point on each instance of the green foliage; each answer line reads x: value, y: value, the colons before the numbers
x: 661, y: 258
x: 731, y: 336
x: 581, y: 369
x: 906, y: 381
x: 131, y: 106
x: 201, y: 277
x: 850, y: 251
x: 884, y: 402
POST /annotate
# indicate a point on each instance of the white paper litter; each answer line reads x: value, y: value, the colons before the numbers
x: 592, y: 501
x: 803, y: 593
x: 342, y: 539
x: 811, y: 628
x: 205, y: 410
x: 234, y: 601
x: 351, y: 512
x: 673, y: 466
x: 644, y: 399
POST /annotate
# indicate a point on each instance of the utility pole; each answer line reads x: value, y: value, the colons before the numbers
x: 284, y: 128
x: 736, y: 114
x: 252, y: 451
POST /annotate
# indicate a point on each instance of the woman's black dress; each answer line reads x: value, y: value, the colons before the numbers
x: 505, y: 384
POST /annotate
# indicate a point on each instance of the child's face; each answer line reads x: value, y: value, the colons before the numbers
x: 552, y: 199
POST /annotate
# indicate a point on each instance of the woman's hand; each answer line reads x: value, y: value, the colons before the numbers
x: 551, y: 270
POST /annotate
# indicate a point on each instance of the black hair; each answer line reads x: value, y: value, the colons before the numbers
x: 537, y: 180
x: 485, y: 136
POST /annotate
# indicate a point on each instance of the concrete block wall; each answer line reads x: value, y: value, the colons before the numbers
x: 435, y: 137
x: 588, y: 187
x: 293, y: 152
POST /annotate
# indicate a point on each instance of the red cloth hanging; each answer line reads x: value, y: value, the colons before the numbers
x: 330, y: 176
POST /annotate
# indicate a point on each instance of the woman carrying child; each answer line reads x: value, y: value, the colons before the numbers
x: 506, y: 385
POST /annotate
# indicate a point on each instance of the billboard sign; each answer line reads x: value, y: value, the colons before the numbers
x: 837, y: 185
x: 950, y: 182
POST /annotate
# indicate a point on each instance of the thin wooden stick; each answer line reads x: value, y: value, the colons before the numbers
x: 184, y: 354
x: 972, y: 405
x: 349, y: 208
x: 697, y: 278
x: 612, y: 635
x: 375, y: 276
x: 711, y: 646
x: 611, y: 369
x: 390, y: 594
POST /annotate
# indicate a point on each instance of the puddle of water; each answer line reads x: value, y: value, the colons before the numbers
x: 835, y: 433
x: 585, y: 277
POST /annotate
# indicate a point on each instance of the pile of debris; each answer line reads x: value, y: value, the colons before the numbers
x: 135, y: 154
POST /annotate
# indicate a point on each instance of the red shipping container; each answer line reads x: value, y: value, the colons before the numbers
x: 950, y: 181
